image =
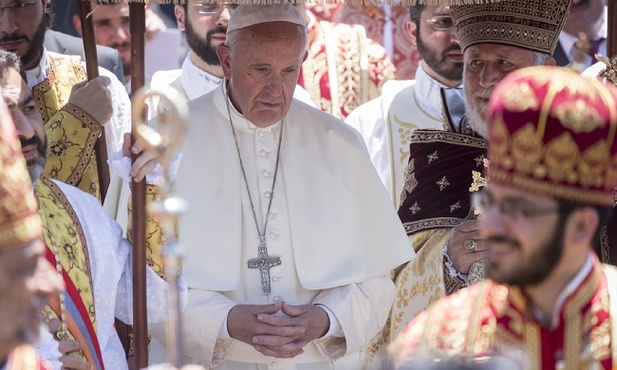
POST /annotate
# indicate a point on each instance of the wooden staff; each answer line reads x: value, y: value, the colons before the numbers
x: 611, y: 42
x: 92, y: 69
x: 137, y: 16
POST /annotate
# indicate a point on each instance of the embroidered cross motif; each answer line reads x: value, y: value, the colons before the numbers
x: 478, y: 181
x: 432, y: 157
x: 415, y: 208
x: 455, y: 206
x: 443, y: 183
x: 264, y: 263
x: 480, y: 160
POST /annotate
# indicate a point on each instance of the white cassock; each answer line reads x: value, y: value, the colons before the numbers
x: 111, y: 268
x: 331, y: 223
x: 387, y: 122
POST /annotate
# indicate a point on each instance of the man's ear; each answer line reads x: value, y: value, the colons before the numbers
x: 180, y: 17
x: 222, y: 51
x: 550, y: 62
x: 410, y: 27
x: 77, y: 24
x: 582, y: 225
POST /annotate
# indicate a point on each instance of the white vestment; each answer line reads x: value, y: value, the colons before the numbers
x: 387, y: 122
x: 111, y: 270
x: 330, y: 223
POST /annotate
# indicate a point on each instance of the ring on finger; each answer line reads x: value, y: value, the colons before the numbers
x: 470, y: 245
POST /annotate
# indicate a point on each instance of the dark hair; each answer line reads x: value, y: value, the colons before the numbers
x: 49, y: 16
x: 416, y: 10
x: 604, y: 216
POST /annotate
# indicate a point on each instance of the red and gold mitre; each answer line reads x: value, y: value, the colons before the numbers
x: 528, y: 24
x: 553, y: 132
x: 19, y: 222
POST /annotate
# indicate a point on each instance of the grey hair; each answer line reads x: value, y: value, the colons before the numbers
x: 541, y: 57
x: 8, y: 60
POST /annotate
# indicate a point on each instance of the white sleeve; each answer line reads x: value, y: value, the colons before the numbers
x: 121, y: 119
x: 361, y: 309
x: 201, y: 339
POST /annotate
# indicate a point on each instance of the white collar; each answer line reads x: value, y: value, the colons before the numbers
x: 570, y: 288
x: 237, y: 118
x: 39, y: 73
x: 195, y: 81
x: 429, y: 88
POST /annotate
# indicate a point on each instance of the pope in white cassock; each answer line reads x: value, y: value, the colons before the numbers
x: 290, y: 235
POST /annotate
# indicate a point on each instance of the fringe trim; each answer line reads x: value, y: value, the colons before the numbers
x: 350, y: 2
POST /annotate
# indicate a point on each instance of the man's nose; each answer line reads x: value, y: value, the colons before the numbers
x: 489, y: 75
x: 7, y: 22
x: 23, y: 126
x: 223, y: 18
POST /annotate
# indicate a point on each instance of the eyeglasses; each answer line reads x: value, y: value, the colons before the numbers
x: 20, y: 7
x: 441, y: 22
x: 214, y: 8
x: 511, y: 208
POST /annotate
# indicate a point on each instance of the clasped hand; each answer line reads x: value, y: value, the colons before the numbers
x: 277, y: 335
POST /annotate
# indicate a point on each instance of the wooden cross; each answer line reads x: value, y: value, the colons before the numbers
x: 264, y: 263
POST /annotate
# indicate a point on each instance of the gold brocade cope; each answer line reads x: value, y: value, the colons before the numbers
x: 419, y: 283
x: 492, y: 320
x: 60, y: 220
x: 71, y: 133
x: 154, y: 234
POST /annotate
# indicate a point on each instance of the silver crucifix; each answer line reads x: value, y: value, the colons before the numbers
x: 263, y: 262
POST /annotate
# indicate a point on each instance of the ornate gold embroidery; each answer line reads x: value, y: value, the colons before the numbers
x: 561, y: 158
x: 592, y: 166
x: 526, y: 149
x: 63, y: 224
x: 578, y: 116
x: 71, y: 133
x: 521, y: 99
x: 478, y: 181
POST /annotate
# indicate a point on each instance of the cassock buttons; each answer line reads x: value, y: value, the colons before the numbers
x: 274, y: 365
x: 275, y: 279
x: 264, y: 152
x: 268, y: 194
x: 266, y: 173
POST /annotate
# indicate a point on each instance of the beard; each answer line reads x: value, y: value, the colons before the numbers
x: 538, y: 266
x: 203, y: 48
x: 476, y: 111
x: 36, y: 165
x: 35, y: 49
x: 439, y: 61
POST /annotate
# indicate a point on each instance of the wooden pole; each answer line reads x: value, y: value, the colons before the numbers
x: 92, y: 69
x: 138, y: 196
x: 611, y: 42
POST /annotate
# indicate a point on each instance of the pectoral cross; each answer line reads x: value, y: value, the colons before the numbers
x: 264, y: 263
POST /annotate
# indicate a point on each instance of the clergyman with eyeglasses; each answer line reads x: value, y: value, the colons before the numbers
x: 548, y: 303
